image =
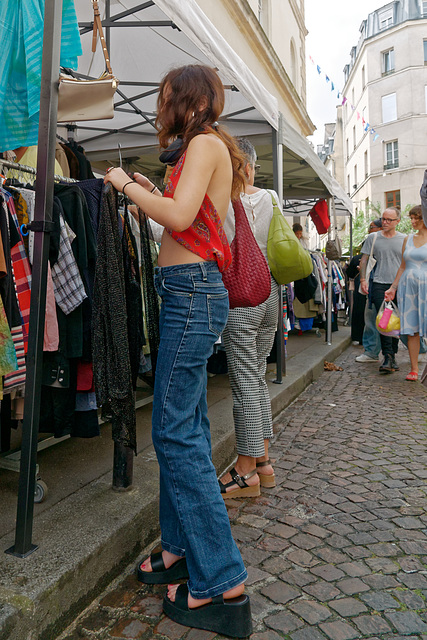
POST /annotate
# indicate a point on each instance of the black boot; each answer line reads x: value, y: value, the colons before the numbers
x: 387, y: 365
x: 394, y: 363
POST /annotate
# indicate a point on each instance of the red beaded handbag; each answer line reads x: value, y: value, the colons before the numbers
x: 248, y: 277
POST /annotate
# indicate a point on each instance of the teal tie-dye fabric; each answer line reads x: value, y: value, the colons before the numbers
x: 21, y: 35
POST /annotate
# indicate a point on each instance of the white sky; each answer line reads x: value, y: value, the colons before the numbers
x: 333, y: 27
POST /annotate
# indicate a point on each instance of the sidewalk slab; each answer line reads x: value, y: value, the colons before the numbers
x: 89, y: 537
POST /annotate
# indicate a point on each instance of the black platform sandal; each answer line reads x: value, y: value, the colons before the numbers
x: 159, y: 573
x: 264, y: 479
x: 243, y: 490
x: 228, y: 617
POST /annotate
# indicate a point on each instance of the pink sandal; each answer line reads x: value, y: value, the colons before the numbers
x: 412, y: 376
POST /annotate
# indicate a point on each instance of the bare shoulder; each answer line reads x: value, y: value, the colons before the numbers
x: 207, y: 143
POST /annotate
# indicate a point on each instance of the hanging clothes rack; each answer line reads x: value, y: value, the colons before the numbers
x: 11, y: 460
x: 25, y: 169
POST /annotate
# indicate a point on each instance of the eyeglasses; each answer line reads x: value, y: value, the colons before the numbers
x: 389, y: 219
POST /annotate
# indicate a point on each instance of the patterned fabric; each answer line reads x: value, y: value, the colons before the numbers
x: 21, y: 213
x: 17, y: 378
x: 67, y: 282
x: 8, y: 360
x: 206, y: 236
x: 21, y: 35
x: 412, y: 290
x: 110, y: 341
x: 21, y: 276
x: 248, y: 338
x: 25, y: 201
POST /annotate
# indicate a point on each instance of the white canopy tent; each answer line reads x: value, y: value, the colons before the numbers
x: 155, y: 38
x: 145, y: 40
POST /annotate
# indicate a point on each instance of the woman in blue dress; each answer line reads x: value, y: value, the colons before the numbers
x: 411, y: 285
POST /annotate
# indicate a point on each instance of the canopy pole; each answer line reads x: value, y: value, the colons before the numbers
x: 43, y: 216
x: 329, y: 296
x: 278, y: 187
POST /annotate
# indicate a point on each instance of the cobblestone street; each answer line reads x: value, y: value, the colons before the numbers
x: 338, y: 550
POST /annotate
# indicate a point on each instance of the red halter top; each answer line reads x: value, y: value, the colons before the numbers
x: 205, y: 236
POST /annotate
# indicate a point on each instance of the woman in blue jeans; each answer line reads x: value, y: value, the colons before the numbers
x: 195, y: 530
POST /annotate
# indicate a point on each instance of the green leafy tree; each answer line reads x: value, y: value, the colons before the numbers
x: 404, y: 225
x: 361, y: 224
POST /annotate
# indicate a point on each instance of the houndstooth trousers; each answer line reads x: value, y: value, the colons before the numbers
x: 248, y: 338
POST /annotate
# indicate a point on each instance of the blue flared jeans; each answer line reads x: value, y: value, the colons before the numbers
x: 193, y: 517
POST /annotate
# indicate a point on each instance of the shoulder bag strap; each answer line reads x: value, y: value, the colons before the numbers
x: 273, y: 200
x: 371, y: 255
x: 97, y: 28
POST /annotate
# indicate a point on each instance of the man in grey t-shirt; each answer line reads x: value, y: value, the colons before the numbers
x: 388, y: 254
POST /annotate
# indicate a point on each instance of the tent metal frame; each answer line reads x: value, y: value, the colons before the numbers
x: 44, y: 197
x: 43, y: 218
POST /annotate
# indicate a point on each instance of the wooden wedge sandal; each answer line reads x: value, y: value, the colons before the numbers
x: 243, y: 490
x: 264, y: 479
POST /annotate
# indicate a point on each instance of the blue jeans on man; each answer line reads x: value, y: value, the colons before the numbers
x: 371, y: 338
x: 389, y: 346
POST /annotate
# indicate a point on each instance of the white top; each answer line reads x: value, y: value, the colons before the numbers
x: 259, y: 211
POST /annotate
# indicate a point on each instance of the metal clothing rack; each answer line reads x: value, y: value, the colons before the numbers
x: 25, y: 169
x: 11, y: 460
x: 123, y: 456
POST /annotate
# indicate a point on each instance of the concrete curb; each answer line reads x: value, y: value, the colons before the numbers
x: 87, y: 539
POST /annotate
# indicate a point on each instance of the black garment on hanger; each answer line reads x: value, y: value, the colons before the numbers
x: 58, y: 403
x: 76, y: 325
x: 110, y: 340
x: 85, y: 170
x: 151, y: 298
x: 10, y: 238
x: 133, y: 298
x: 92, y: 190
x: 73, y: 163
x: 5, y: 423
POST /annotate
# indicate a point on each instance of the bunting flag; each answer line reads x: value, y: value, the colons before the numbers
x: 366, y: 126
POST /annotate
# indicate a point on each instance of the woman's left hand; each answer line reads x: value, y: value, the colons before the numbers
x: 117, y: 177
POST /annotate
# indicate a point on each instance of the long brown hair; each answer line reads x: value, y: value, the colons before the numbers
x: 181, y: 93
